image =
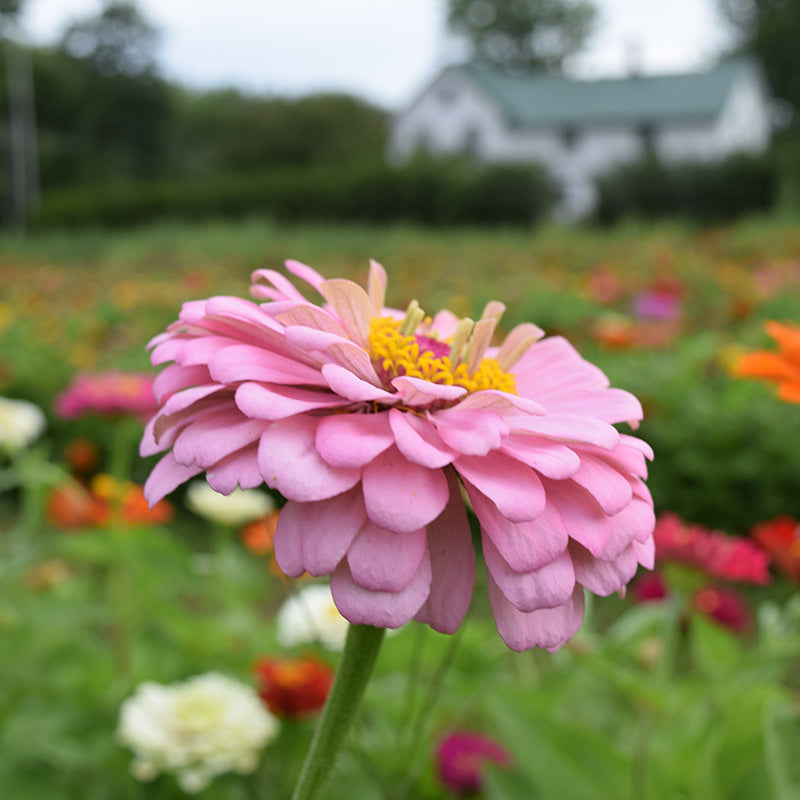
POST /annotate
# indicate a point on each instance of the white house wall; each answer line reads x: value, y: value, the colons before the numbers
x: 441, y: 126
x: 743, y: 124
x: 453, y: 116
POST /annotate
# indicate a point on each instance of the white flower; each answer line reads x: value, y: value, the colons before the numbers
x: 203, y: 727
x: 311, y: 616
x: 237, y: 508
x: 21, y: 423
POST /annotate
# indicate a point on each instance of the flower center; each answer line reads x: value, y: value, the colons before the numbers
x: 396, y: 353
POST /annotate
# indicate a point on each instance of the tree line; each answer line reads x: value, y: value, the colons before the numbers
x: 103, y: 116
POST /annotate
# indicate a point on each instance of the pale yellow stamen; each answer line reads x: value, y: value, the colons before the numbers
x: 463, y: 331
x: 414, y: 315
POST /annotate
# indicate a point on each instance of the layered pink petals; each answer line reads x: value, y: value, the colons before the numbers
x: 375, y: 461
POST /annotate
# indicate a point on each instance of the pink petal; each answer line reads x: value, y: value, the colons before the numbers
x: 553, y: 364
x: 353, y: 440
x: 383, y: 561
x: 351, y: 304
x: 473, y: 432
x: 513, y: 487
x: 551, y: 459
x: 214, y: 436
x: 350, y: 386
x: 402, y: 496
x: 273, y: 401
x: 547, y: 587
x: 382, y: 609
x: 356, y: 360
x: 283, y: 288
x: 238, y: 469
x: 545, y: 627
x: 569, y: 428
x: 304, y: 272
x: 625, y: 457
x: 417, y: 392
x: 526, y: 546
x: 166, y: 476
x: 314, y: 537
x: 645, y: 552
x: 173, y: 378
x: 245, y: 362
x: 603, y: 577
x: 452, y: 564
x: 418, y: 441
x: 289, y: 462
x: 182, y: 400
x: 611, y: 489
x: 609, y: 405
x: 496, y: 400
x: 581, y: 514
x: 310, y: 317
x: 635, y: 521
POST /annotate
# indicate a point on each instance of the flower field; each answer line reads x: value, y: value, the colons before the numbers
x: 162, y: 651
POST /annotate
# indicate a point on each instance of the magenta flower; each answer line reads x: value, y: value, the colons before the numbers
x: 108, y: 394
x: 731, y: 558
x: 461, y: 759
x: 371, y: 422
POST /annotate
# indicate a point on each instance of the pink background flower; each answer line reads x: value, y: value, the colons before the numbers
x: 107, y: 394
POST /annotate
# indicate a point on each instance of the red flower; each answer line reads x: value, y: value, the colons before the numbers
x: 725, y: 606
x: 461, y: 759
x: 293, y: 687
x: 731, y: 558
x: 780, y: 537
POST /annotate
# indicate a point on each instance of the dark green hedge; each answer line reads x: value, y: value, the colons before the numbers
x: 702, y: 193
x: 432, y: 192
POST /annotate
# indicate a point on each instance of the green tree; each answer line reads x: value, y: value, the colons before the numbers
x: 118, y: 41
x: 769, y: 30
x: 523, y: 35
x: 104, y: 111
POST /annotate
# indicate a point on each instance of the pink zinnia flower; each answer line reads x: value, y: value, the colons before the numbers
x: 371, y: 422
x: 732, y: 558
x: 108, y: 394
x: 461, y: 760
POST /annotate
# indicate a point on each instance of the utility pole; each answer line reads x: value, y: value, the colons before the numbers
x: 23, y: 169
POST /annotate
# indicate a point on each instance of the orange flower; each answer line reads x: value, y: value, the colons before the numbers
x: 780, y: 537
x: 293, y: 687
x: 782, y: 367
x: 71, y: 505
x: 81, y: 455
x: 258, y: 535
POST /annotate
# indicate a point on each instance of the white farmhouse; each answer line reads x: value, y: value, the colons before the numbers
x: 580, y: 129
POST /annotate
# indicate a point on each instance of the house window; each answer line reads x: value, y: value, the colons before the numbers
x: 446, y: 95
x: 472, y: 142
x: 569, y: 137
x: 647, y: 136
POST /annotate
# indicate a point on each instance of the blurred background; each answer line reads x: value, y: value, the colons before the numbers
x: 116, y: 113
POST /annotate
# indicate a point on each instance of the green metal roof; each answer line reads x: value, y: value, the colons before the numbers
x: 544, y: 100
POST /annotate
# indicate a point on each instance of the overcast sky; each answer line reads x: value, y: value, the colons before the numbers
x: 383, y: 50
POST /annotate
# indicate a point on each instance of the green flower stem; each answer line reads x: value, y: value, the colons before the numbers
x: 360, y: 651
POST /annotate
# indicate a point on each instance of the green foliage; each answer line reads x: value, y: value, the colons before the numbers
x: 724, y: 448
x: 425, y: 191
x: 523, y: 34
x: 702, y: 193
x: 769, y: 30
x: 649, y: 701
x: 227, y: 131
